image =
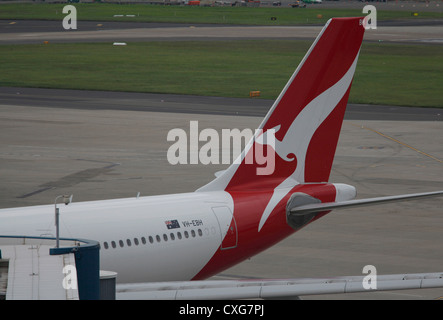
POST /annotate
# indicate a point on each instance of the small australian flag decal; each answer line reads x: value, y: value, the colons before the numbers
x: 172, y: 224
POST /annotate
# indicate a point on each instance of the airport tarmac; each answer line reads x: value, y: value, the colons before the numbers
x: 100, y: 153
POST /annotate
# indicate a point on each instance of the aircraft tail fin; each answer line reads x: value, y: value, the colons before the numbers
x: 298, y: 137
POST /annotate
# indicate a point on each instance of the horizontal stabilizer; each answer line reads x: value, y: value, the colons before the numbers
x: 319, y: 207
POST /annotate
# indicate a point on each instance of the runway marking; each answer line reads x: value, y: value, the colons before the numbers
x: 399, y: 142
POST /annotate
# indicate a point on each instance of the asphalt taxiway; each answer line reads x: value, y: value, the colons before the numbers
x: 149, y: 102
x: 54, y: 144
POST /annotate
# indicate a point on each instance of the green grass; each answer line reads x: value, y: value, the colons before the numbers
x: 191, y: 14
x: 409, y: 75
x: 386, y: 73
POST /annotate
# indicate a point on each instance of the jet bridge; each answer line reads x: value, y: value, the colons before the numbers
x: 32, y: 269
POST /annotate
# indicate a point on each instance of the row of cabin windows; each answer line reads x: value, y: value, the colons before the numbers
x: 158, y: 238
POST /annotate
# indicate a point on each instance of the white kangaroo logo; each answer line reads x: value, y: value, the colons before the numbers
x: 297, y: 138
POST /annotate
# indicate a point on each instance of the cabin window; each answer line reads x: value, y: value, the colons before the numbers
x: 151, y: 240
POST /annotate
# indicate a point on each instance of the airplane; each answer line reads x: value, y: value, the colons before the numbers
x: 178, y: 241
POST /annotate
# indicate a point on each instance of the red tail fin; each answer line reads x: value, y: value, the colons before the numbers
x: 301, y: 130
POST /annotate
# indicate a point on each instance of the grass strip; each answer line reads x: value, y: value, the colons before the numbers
x: 392, y: 74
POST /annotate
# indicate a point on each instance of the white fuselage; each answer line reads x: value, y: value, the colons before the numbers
x: 135, y: 239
